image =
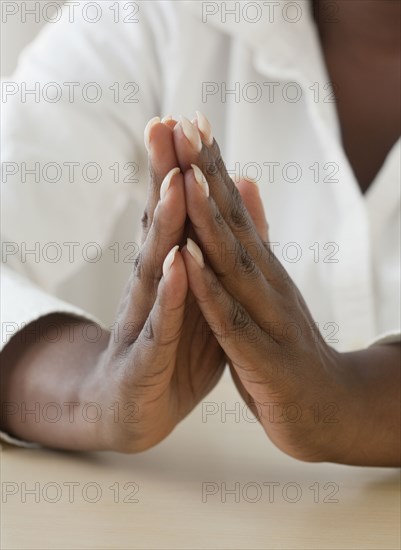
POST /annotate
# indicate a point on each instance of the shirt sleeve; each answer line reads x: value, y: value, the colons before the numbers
x: 391, y: 337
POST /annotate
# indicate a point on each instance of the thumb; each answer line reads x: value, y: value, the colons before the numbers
x: 249, y: 192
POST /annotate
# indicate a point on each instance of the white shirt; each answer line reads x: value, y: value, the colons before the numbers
x: 279, y: 126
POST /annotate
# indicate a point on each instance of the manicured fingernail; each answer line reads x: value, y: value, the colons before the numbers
x: 195, y: 252
x: 168, y: 262
x: 191, y: 133
x: 148, y: 127
x: 167, y: 118
x: 200, y: 179
x: 205, y: 127
x: 165, y: 186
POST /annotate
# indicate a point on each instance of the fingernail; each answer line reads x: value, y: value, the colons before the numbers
x: 167, y: 118
x: 169, y: 260
x: 200, y: 179
x: 165, y: 186
x: 195, y: 252
x: 191, y: 133
x: 148, y: 127
x: 205, y: 127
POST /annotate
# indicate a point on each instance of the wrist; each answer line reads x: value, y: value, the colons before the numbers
x: 45, y: 369
x: 370, y: 424
x: 336, y: 419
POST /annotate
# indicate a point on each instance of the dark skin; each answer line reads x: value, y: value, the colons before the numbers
x: 361, y: 46
x: 162, y: 366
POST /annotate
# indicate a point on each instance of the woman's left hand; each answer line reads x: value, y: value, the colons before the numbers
x: 291, y: 379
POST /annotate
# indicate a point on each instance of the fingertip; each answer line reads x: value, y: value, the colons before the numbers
x: 196, y: 253
x: 172, y: 204
x: 148, y: 131
x: 174, y: 272
x: 194, y: 273
x: 167, y: 182
x: 205, y: 128
x: 200, y: 276
x: 187, y: 153
x: 248, y: 187
x: 187, y: 258
x: 169, y: 121
x: 194, y: 263
x: 160, y: 146
x: 159, y: 132
x: 169, y: 260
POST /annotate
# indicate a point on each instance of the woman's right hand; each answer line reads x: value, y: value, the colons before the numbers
x: 129, y: 389
x: 166, y: 359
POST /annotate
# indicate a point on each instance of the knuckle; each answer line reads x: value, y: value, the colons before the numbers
x: 120, y: 356
x: 137, y: 265
x: 167, y: 338
x: 214, y: 164
x: 219, y: 162
x: 278, y: 276
x: 218, y: 218
x: 215, y: 288
x: 238, y: 218
x: 246, y: 264
x: 283, y: 281
x: 266, y: 246
x: 214, y: 167
x: 129, y: 333
x: 125, y: 333
x: 152, y: 174
x: 144, y: 268
x: 145, y: 221
x: 238, y: 316
x: 148, y: 333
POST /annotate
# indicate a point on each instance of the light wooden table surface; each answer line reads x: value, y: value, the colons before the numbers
x: 211, y: 484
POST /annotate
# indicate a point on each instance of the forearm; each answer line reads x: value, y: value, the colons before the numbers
x: 47, y: 371
x: 370, y: 421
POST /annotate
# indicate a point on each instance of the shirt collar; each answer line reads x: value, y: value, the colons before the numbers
x: 282, y: 35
